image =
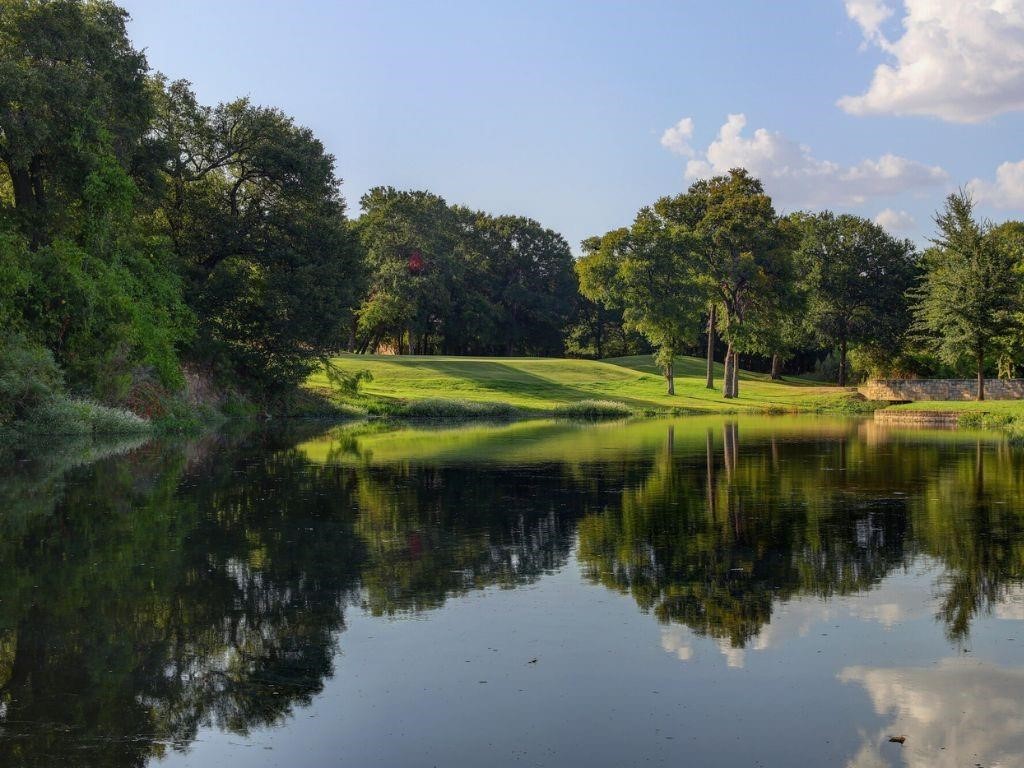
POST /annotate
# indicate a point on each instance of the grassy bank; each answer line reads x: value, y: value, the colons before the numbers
x: 531, y: 386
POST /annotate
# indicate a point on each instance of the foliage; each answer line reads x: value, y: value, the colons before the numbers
x: 29, y: 377
x: 968, y: 300
x: 257, y: 222
x: 855, y: 276
x: 447, y: 279
x: 646, y: 271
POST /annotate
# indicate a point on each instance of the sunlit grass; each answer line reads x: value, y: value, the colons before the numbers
x: 540, y: 385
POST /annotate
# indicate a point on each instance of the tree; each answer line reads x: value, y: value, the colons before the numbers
x: 647, y: 270
x: 855, y: 276
x: 743, y: 255
x: 967, y: 302
x: 257, y: 220
x: 411, y: 240
x: 86, y: 273
x: 71, y: 87
x: 530, y: 283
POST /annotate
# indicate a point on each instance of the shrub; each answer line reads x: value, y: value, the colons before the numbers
x: 593, y: 409
x: 29, y: 377
x: 440, y: 408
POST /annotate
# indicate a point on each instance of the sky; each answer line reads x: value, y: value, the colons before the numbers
x: 578, y: 113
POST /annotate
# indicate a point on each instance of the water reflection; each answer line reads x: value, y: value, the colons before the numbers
x: 955, y: 713
x: 170, y: 588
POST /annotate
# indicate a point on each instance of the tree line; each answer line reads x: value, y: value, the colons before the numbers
x: 148, y: 241
x: 719, y: 259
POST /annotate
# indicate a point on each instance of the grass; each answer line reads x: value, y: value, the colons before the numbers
x: 535, y: 386
x: 69, y: 416
x: 593, y: 409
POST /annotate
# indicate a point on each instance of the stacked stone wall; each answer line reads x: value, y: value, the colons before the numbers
x: 909, y: 390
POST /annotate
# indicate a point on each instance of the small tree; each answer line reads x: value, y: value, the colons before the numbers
x: 968, y: 299
x: 647, y: 271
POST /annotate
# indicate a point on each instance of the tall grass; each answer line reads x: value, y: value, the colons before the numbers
x: 68, y: 416
x: 441, y: 408
x: 593, y: 409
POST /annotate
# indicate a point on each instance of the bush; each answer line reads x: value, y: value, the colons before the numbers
x: 29, y: 377
x: 593, y: 409
x: 440, y: 408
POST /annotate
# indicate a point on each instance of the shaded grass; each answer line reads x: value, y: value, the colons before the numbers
x: 538, y: 386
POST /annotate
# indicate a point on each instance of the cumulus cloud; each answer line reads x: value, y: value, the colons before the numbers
x: 959, y: 60
x: 870, y: 15
x: 1007, y: 191
x: 795, y: 177
x: 895, y: 221
x: 677, y: 138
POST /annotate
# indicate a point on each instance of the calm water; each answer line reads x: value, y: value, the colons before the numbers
x: 712, y: 592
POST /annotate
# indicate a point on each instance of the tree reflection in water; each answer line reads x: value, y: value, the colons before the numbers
x: 153, y: 593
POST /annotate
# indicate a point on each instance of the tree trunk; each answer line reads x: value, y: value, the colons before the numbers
x: 735, y: 373
x: 776, y: 367
x: 842, y: 362
x: 710, y: 383
x: 599, y: 338
x: 670, y: 374
x: 727, y: 383
x: 981, y: 373
x: 351, y: 346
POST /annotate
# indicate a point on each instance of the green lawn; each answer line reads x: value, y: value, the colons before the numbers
x: 540, y: 384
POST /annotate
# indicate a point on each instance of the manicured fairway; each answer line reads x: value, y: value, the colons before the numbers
x: 540, y: 384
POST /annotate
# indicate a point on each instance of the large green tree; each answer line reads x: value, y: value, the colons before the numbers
x: 254, y: 209
x: 529, y: 281
x: 855, y: 276
x: 412, y: 245
x: 86, y: 272
x: 967, y: 303
x: 741, y: 254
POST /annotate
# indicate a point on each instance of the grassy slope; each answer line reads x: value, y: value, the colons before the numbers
x: 539, y: 384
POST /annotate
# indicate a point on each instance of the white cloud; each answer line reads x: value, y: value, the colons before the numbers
x: 959, y: 60
x: 793, y: 176
x: 870, y: 15
x: 677, y: 138
x: 1007, y: 191
x: 895, y: 221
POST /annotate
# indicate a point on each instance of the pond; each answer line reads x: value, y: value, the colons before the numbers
x: 769, y: 591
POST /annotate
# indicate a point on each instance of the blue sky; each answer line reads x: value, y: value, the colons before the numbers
x: 559, y: 110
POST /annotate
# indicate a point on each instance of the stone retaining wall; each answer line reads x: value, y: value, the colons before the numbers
x: 941, y: 389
